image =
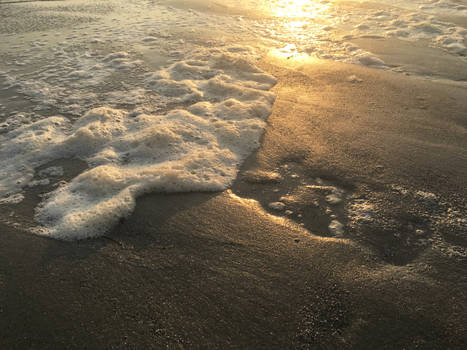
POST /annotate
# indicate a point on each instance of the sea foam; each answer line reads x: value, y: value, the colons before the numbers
x: 223, y: 101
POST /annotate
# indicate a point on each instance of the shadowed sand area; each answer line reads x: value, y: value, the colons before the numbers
x: 217, y: 270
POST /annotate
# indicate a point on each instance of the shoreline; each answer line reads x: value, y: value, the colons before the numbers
x: 211, y: 270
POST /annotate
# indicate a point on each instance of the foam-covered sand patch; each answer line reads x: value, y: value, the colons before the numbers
x: 196, y: 148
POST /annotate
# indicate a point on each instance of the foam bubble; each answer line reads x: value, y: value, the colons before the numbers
x: 336, y: 228
x: 370, y: 60
x: 276, y: 205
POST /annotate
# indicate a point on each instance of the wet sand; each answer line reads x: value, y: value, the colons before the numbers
x: 222, y: 270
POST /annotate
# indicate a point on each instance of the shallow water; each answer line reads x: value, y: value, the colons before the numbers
x: 166, y: 96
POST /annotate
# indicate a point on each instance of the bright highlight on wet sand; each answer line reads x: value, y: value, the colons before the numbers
x: 233, y: 174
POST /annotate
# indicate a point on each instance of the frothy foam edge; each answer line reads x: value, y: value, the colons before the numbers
x: 195, y: 148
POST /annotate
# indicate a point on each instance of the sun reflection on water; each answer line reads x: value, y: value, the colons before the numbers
x: 294, y: 9
x: 299, y: 17
x: 299, y: 21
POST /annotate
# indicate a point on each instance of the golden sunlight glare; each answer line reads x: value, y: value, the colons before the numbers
x: 298, y: 8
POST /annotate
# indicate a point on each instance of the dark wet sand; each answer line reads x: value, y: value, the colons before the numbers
x: 216, y: 271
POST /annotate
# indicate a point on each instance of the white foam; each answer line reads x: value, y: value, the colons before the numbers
x: 336, y: 228
x: 360, y: 210
x: 193, y: 149
x: 334, y: 198
x: 14, y: 199
x: 41, y: 182
x: 354, y: 79
x: 370, y: 60
x: 53, y: 171
x: 276, y: 205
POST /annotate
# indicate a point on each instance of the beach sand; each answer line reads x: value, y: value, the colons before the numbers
x: 224, y: 270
